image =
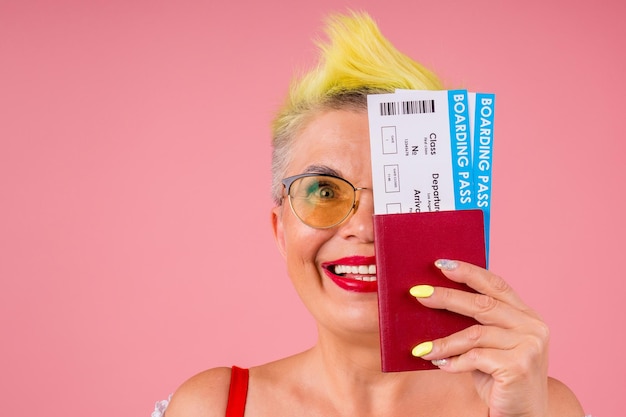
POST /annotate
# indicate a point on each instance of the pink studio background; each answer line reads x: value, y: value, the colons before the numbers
x: 135, y: 246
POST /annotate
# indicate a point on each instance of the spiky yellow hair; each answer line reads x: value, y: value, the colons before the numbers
x: 355, y: 61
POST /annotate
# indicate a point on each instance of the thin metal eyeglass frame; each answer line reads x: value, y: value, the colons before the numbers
x: 287, y: 182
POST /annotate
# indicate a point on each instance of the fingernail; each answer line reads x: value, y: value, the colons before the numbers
x: 422, y: 291
x: 446, y: 264
x: 440, y: 362
x: 422, y: 349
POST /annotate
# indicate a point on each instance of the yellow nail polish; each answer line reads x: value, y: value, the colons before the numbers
x: 422, y: 291
x: 422, y: 349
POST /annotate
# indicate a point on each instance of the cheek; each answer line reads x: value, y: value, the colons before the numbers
x: 302, y: 244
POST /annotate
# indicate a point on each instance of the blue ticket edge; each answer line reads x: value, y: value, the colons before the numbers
x: 461, y: 150
x: 484, y: 112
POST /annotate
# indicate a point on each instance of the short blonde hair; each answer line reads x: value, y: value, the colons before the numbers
x: 357, y: 60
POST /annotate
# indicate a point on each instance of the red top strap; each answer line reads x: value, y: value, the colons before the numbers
x: 238, y: 392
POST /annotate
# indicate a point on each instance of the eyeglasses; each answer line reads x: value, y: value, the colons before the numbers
x: 321, y: 200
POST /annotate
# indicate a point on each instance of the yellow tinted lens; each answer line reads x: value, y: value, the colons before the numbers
x: 321, y: 201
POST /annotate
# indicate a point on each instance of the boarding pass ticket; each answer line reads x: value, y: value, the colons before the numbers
x: 431, y: 151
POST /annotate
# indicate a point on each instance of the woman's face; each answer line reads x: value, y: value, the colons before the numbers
x: 335, y: 142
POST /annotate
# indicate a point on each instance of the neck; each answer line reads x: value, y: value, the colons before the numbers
x: 361, y: 353
x: 350, y: 369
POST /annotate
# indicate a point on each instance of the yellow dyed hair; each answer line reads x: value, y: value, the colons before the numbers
x: 355, y: 61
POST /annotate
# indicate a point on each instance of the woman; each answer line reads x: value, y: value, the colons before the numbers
x: 497, y: 368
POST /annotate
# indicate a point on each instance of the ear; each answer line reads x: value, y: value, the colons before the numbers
x: 277, y: 228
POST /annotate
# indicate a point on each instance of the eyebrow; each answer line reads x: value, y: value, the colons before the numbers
x: 321, y: 169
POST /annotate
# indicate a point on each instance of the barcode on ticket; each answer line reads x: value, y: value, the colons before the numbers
x: 393, y: 108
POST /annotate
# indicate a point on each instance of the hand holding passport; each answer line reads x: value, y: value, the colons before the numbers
x: 431, y: 170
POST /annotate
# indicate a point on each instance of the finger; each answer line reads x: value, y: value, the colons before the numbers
x: 487, y: 361
x: 498, y: 363
x: 484, y: 308
x: 483, y: 281
x: 487, y: 348
x: 473, y: 337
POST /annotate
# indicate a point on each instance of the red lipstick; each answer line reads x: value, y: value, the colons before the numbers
x: 353, y: 273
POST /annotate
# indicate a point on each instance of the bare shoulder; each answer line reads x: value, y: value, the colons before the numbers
x: 203, y: 395
x: 562, y: 401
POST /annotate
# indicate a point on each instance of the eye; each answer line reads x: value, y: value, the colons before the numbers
x: 323, y: 190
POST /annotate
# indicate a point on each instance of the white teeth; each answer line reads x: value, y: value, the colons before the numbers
x: 368, y: 278
x: 360, y: 272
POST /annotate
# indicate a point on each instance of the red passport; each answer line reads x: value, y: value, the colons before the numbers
x: 407, y: 246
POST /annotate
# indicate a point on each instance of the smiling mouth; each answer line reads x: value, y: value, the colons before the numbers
x: 357, y: 272
x: 353, y: 273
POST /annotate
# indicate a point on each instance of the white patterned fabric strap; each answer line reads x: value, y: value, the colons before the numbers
x: 160, y: 407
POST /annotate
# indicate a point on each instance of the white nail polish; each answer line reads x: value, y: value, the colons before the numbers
x: 446, y: 264
x: 440, y: 362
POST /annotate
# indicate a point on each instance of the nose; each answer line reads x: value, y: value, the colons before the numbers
x: 360, y: 224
